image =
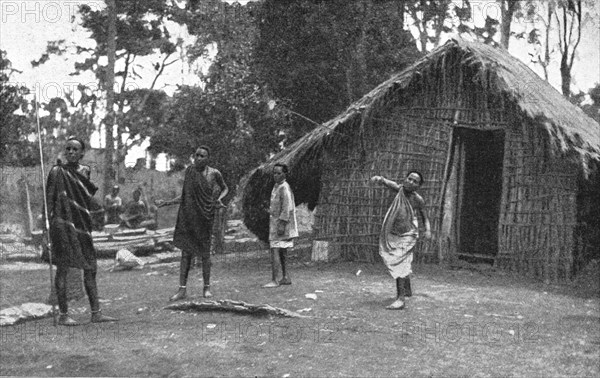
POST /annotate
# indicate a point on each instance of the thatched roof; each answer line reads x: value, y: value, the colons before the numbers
x: 570, y: 130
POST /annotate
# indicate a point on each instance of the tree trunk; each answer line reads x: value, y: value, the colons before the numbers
x: 507, y: 8
x: 423, y: 39
x: 573, y: 11
x: 357, y: 70
x: 546, y: 61
x: 565, y: 75
x: 121, y: 152
x: 400, y: 4
x: 109, y: 121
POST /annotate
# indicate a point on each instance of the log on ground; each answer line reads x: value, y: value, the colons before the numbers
x: 228, y: 305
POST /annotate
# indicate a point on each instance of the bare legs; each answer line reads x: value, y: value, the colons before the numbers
x: 285, y: 280
x: 89, y: 282
x: 206, y: 264
x: 184, y: 270
x: 60, y: 283
x: 398, y: 304
x: 275, y: 266
x: 278, y: 262
x: 407, y: 288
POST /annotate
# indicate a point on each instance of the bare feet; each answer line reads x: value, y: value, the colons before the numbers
x: 271, y: 284
x: 398, y: 304
x: 66, y: 320
x: 180, y: 295
x: 97, y: 317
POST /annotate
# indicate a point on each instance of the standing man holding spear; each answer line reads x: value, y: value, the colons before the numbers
x: 46, y: 221
x: 68, y: 197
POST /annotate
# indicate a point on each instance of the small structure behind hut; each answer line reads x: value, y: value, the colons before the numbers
x: 510, y: 166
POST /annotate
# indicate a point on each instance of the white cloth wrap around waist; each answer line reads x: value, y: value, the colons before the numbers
x: 282, y: 243
x: 399, y: 258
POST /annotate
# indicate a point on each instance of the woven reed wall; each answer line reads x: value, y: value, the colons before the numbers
x: 351, y: 209
x: 538, y: 216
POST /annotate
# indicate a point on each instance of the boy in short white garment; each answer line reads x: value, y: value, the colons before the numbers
x: 283, y: 227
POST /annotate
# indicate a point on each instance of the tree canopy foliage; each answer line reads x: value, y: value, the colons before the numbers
x: 14, y: 128
x: 280, y: 69
x: 231, y: 113
x: 140, y: 32
x: 320, y: 56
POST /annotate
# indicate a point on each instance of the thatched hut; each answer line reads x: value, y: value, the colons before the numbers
x: 508, y: 164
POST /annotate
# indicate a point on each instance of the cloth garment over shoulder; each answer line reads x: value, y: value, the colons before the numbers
x: 197, y: 207
x: 399, y: 234
x: 69, y: 193
x: 283, y: 207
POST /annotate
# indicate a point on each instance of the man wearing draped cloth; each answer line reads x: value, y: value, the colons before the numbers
x: 400, y: 231
x: 69, y: 194
x: 202, y: 193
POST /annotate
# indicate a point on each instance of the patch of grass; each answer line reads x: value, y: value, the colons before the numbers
x: 458, y: 323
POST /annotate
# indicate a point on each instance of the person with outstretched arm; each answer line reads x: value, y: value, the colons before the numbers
x: 202, y: 193
x: 400, y: 231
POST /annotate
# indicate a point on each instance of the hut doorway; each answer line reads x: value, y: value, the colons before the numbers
x: 481, y: 193
x: 472, y: 193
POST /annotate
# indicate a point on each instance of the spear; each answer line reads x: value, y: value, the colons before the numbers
x: 47, y: 221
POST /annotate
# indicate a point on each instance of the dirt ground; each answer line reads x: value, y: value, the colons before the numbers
x: 459, y: 323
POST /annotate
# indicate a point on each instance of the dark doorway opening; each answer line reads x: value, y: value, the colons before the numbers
x: 481, y: 192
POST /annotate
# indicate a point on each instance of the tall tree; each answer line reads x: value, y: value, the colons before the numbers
x: 140, y: 32
x: 319, y: 56
x: 508, y: 8
x: 109, y: 120
x: 231, y: 111
x: 568, y: 16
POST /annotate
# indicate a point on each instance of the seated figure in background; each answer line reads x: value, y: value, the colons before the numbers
x: 135, y: 211
x: 113, y: 205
